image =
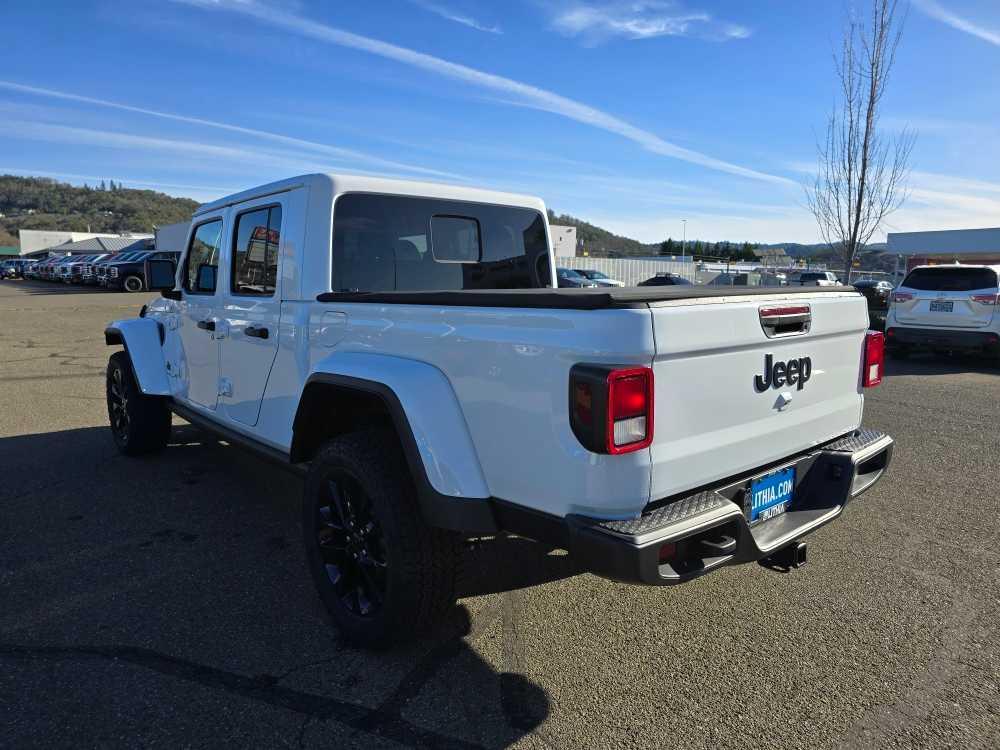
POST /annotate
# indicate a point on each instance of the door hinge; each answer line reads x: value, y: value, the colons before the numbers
x: 225, y: 387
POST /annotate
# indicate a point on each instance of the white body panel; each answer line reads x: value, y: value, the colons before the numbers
x: 433, y: 411
x: 509, y: 369
x: 141, y: 337
x: 485, y: 390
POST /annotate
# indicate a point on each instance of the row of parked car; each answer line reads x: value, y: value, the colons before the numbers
x: 124, y: 271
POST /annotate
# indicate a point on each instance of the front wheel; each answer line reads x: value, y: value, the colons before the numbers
x: 139, y: 423
x: 382, y: 573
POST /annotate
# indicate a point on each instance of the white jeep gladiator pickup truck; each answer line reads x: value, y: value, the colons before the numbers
x: 405, y: 346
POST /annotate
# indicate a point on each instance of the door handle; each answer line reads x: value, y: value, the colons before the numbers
x: 206, y: 325
x: 257, y: 333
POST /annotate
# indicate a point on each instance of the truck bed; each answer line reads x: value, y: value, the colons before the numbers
x: 573, y: 299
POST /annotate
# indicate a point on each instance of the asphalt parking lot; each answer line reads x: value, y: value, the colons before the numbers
x: 165, y: 601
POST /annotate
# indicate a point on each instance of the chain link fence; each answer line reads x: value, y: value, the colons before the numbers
x: 631, y: 271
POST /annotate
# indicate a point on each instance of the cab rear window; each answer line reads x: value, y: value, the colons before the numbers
x: 951, y: 279
x: 392, y: 242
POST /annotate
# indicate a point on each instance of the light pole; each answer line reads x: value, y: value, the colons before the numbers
x: 684, y: 240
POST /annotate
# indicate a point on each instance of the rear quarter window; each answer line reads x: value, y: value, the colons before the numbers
x: 951, y: 279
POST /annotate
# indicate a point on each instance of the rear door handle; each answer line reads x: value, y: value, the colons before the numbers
x: 257, y: 333
x: 206, y: 325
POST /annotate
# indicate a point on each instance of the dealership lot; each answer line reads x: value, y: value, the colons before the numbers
x: 165, y: 600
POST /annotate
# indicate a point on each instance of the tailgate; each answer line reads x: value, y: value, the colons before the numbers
x: 713, y: 419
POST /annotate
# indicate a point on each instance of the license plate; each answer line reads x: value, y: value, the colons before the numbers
x: 942, y: 306
x: 770, y: 496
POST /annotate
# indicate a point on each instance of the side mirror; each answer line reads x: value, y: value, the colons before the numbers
x: 206, y: 278
x: 160, y: 275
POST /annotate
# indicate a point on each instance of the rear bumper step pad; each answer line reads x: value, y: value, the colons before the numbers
x: 676, y: 540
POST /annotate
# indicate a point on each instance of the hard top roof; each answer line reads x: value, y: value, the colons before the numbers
x: 351, y: 183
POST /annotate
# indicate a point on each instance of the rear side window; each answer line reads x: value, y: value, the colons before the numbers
x: 388, y: 243
x: 953, y: 279
x: 255, y: 252
x: 202, y: 262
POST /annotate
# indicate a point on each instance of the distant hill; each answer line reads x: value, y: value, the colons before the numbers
x: 41, y: 203
x: 818, y: 250
x: 598, y: 240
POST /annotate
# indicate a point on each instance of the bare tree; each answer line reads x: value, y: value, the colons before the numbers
x: 862, y: 173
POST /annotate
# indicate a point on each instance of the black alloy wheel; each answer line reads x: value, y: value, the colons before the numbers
x: 118, y: 405
x: 139, y: 423
x: 382, y: 573
x: 351, y: 544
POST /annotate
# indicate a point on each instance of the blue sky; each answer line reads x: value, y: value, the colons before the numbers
x: 632, y: 114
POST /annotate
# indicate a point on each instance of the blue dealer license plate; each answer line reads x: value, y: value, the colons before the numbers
x: 770, y: 496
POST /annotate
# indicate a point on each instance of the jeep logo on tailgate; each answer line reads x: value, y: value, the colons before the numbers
x: 793, y: 372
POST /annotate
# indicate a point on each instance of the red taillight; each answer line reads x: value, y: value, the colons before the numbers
x: 630, y: 410
x: 986, y: 299
x: 611, y: 409
x: 874, y: 360
x: 902, y: 297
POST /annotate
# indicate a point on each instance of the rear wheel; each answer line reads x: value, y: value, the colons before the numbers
x: 132, y: 284
x: 139, y: 423
x: 382, y: 573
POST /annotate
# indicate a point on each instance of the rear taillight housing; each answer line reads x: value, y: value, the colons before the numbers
x: 986, y: 299
x: 611, y: 408
x: 902, y: 297
x: 874, y: 359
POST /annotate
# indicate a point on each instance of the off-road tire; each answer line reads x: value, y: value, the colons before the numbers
x: 133, y: 283
x: 421, y: 561
x: 146, y: 427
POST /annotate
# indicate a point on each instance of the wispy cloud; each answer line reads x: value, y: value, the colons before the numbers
x: 639, y: 19
x: 299, y: 143
x: 182, y: 152
x: 456, y: 16
x: 936, y: 10
x: 523, y: 93
x: 48, y: 132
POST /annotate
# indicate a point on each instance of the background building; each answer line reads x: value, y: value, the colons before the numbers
x: 171, y: 237
x: 563, y: 240
x: 949, y: 246
x: 774, y: 257
x: 37, y: 243
x: 96, y: 245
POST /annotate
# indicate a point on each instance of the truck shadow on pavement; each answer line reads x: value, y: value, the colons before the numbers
x: 187, y: 565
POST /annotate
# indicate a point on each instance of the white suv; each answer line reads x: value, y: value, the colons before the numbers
x: 816, y: 278
x: 946, y: 308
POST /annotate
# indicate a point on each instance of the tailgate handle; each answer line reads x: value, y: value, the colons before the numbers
x: 785, y: 320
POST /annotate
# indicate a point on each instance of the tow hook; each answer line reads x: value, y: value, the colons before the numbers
x: 787, y: 558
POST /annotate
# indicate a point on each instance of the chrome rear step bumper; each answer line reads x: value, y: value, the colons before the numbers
x: 678, y: 539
